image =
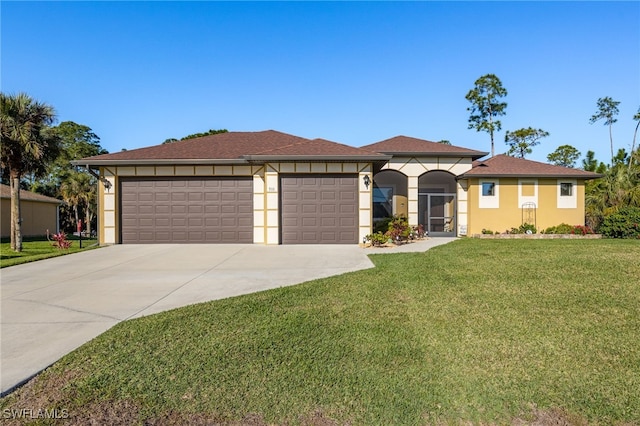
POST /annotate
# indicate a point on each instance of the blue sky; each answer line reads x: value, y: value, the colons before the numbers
x: 138, y: 73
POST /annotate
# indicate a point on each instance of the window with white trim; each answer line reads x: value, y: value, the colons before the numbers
x: 489, y: 194
x: 566, y: 189
x: 488, y: 189
x: 567, y: 197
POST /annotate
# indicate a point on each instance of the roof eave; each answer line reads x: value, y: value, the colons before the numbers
x: 345, y: 158
x: 53, y: 201
x: 473, y: 155
x: 158, y: 161
x: 529, y: 175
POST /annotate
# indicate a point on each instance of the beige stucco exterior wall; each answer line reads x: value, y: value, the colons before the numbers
x: 266, y: 197
x: 37, y: 218
x: 414, y: 167
x: 512, y: 192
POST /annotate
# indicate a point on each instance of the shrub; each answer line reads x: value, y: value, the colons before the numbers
x: 417, y: 232
x: 399, y: 229
x: 61, y: 241
x: 625, y: 223
x: 581, y: 230
x: 382, y: 226
x: 487, y: 231
x: 377, y: 239
x: 527, y: 228
x: 522, y: 229
x: 563, y: 228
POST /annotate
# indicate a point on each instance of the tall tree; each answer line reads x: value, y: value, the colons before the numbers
x: 76, y: 141
x: 564, y: 155
x: 486, y: 105
x: 636, y: 117
x: 28, y: 144
x: 607, y: 111
x: 590, y: 164
x: 196, y: 135
x: 521, y: 141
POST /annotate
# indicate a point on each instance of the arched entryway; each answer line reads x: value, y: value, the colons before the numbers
x: 389, y: 195
x: 437, y: 203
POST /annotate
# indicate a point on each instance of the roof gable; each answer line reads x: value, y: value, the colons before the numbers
x: 504, y: 165
x: 412, y: 146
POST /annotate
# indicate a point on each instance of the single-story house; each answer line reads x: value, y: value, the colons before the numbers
x: 39, y: 213
x: 274, y: 188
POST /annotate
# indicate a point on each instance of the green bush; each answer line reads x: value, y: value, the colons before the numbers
x: 522, y: 229
x: 625, y: 223
x: 563, y: 228
x: 396, y: 229
x: 377, y: 239
x: 382, y: 225
x: 527, y: 228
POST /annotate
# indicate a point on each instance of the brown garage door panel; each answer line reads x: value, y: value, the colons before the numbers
x: 319, y: 209
x: 186, y: 210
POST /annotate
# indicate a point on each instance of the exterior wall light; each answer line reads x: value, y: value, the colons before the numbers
x: 366, y: 180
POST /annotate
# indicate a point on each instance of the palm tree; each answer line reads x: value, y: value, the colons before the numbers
x: 78, y: 191
x: 28, y: 144
x: 618, y: 188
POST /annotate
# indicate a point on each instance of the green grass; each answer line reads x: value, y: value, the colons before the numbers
x: 37, y: 249
x: 480, y: 331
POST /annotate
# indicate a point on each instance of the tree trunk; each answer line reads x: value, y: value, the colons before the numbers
x: 611, y: 140
x: 87, y: 219
x: 491, y: 130
x: 633, y: 145
x: 75, y: 212
x: 16, y: 231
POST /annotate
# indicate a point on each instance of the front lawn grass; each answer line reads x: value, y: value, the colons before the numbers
x: 479, y: 331
x: 37, y: 249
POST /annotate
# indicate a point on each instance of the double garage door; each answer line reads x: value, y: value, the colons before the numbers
x: 187, y: 210
x: 314, y: 209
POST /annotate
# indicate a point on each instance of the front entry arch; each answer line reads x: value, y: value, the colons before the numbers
x: 437, y: 203
x: 390, y: 195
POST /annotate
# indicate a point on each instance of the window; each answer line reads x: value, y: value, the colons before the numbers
x: 567, y: 194
x: 382, y: 202
x: 488, y: 189
x: 566, y: 189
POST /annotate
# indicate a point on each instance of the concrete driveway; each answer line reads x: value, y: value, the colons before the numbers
x: 51, y: 307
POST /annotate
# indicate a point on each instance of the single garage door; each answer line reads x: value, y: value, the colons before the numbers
x: 319, y: 209
x: 186, y: 210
